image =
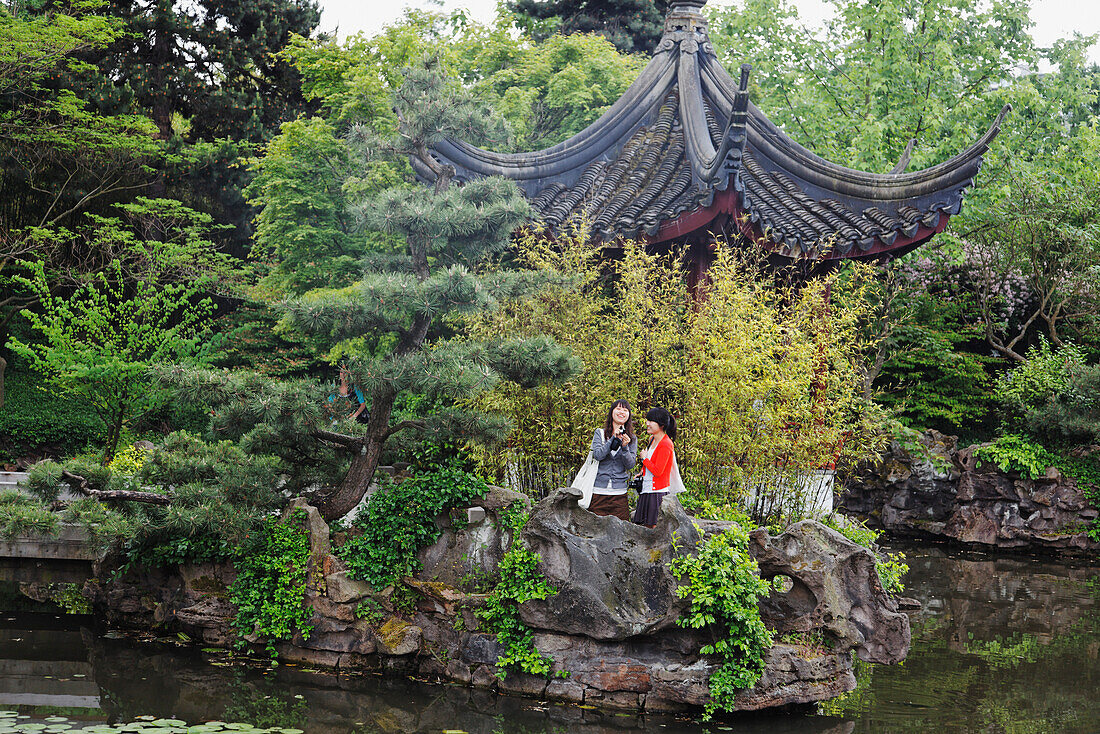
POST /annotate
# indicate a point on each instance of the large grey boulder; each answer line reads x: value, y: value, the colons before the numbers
x: 612, y: 577
x: 467, y: 554
x: 833, y: 587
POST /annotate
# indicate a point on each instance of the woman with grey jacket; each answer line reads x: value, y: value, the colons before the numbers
x: 615, y: 447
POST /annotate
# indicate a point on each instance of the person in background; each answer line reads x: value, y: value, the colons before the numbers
x: 657, y: 463
x: 615, y: 447
x: 353, y: 395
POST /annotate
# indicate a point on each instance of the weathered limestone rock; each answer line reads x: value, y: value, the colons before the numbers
x: 612, y: 577
x: 930, y: 488
x: 466, y: 557
x: 792, y: 677
x: 321, y: 560
x: 834, y: 589
x: 342, y: 589
x: 612, y: 624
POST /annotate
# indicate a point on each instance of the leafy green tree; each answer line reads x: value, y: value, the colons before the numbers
x: 152, y: 240
x: 58, y: 154
x: 305, y: 231
x: 551, y: 90
x: 632, y: 25
x: 882, y: 74
x: 392, y: 324
x: 214, y: 64
x: 142, y: 303
x: 926, y: 361
x: 1033, y: 252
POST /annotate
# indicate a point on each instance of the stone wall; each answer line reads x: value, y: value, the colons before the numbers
x: 936, y: 490
x: 611, y: 624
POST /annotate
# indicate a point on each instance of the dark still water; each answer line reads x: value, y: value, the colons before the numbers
x: 1007, y: 645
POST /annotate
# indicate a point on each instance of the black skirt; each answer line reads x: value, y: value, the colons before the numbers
x: 649, y: 508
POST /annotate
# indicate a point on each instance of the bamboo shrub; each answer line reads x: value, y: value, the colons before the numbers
x: 763, y: 378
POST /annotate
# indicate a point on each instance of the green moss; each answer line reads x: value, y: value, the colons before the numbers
x: 393, y: 632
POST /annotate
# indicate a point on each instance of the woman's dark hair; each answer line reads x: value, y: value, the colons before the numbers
x: 629, y: 425
x: 664, y: 419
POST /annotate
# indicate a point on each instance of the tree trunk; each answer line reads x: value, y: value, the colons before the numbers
x: 3, y: 367
x: 344, y: 498
x: 350, y: 493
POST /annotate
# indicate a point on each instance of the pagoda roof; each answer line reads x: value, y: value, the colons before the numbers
x: 684, y: 152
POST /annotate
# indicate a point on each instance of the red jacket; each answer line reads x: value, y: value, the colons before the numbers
x: 660, y: 465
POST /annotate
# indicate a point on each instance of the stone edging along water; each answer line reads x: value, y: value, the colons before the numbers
x: 940, y: 492
x: 611, y: 624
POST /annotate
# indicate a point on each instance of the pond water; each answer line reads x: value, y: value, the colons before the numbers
x: 1000, y: 645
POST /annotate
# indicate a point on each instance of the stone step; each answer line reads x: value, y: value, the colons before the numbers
x: 49, y: 699
x: 12, y: 478
x: 72, y: 543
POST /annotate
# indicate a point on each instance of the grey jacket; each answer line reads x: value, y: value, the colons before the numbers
x: 614, y: 467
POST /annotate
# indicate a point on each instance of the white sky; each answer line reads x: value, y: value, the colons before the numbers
x: 1053, y: 18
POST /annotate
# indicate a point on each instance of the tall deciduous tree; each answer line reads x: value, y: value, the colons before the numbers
x: 882, y: 73
x: 97, y: 345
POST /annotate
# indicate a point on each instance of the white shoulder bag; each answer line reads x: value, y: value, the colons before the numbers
x: 675, y: 483
x: 585, y: 480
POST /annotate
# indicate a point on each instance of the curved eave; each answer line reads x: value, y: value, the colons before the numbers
x: 566, y: 160
x: 726, y: 212
x: 794, y: 159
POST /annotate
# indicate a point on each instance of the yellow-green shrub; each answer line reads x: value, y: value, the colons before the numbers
x: 763, y: 378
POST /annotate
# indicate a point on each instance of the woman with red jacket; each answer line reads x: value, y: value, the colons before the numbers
x: 658, y: 461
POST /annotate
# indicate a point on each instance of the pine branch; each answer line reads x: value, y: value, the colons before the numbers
x: 82, y: 485
x: 352, y: 442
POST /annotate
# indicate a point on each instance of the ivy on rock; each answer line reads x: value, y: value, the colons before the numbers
x: 724, y: 584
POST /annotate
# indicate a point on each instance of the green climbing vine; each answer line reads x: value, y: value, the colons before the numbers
x: 399, y: 519
x: 520, y: 581
x: 724, y: 584
x: 270, y: 588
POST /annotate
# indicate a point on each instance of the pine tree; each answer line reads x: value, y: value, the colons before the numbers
x: 397, y: 324
x: 213, y: 63
x: 634, y: 26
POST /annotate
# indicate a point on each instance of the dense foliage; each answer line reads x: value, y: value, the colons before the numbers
x: 764, y: 378
x: 724, y: 585
x: 399, y: 520
x: 632, y: 25
x: 270, y: 587
x: 520, y: 581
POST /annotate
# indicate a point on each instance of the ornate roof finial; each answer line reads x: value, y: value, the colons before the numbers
x: 684, y: 21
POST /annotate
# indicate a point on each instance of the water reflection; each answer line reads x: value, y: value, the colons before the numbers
x: 1000, y: 645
